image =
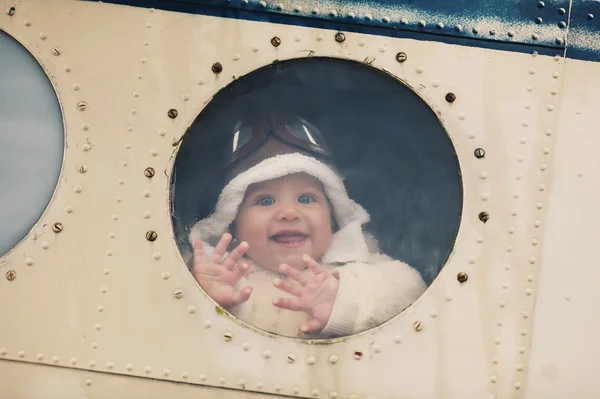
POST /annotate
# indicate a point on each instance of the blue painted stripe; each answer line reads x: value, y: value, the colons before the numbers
x: 522, y: 26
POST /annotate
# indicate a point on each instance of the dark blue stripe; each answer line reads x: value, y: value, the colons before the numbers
x: 525, y: 26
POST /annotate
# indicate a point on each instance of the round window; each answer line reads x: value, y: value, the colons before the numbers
x: 31, y: 141
x: 316, y: 197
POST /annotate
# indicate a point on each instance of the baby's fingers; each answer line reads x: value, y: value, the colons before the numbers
x: 289, y: 304
x: 198, y: 252
x: 288, y: 287
x: 242, y: 296
x: 315, y: 267
x: 217, y: 256
x: 311, y: 326
x: 293, y: 274
x: 240, y: 271
x: 235, y: 255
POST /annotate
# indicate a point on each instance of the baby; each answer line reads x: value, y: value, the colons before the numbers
x: 300, y: 264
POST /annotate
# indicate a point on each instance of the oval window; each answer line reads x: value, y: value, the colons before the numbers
x: 31, y: 141
x: 316, y: 197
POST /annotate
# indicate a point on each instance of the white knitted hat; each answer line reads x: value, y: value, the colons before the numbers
x: 348, y: 243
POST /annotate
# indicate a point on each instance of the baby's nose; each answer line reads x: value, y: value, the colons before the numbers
x: 288, y: 212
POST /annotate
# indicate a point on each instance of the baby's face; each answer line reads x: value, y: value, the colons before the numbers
x: 284, y: 218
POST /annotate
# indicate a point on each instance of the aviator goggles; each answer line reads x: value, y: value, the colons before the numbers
x: 295, y: 131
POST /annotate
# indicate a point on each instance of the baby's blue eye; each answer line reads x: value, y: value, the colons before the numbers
x: 305, y: 199
x: 265, y: 201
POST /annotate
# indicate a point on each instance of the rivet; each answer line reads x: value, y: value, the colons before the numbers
x: 525, y: 314
x: 295, y: 390
x: 458, y: 28
x: 439, y: 25
x: 320, y: 37
x: 502, y: 304
x: 511, y: 230
x: 562, y: 24
x: 401, y: 56
x: 548, y: 132
x: 275, y: 41
x: 404, y: 21
x: 56, y: 51
x: 509, y: 248
x: 479, y: 238
x: 484, y: 217
x: 98, y: 327
x: 76, y: 86
x: 479, y: 153
x: 277, y: 387
x: 535, y: 36
x: 55, y: 359
x: 484, y: 196
x: 493, y: 378
x: 539, y: 20
x: 555, y: 74
x: 172, y: 113
x: 73, y: 361
x: 148, y: 370
x: 208, y: 324
x: 462, y: 277
x: 333, y: 359
x: 166, y: 372
x: 529, y: 277
x: 11, y: 11
x: 421, y: 23
x: 333, y: 394
x: 82, y: 168
x: 589, y: 17
x: 495, y: 360
x: 351, y: 15
x: 111, y: 235
x: 178, y: 293
x: 103, y: 290
x: 419, y: 69
x: 433, y: 314
x: 165, y: 275
x: 417, y: 326
x: 475, y: 30
x: 156, y: 255
x: 29, y: 261
x: 40, y: 356
x: 267, y: 354
x: 515, y: 194
x: 448, y: 297
x: 386, y: 19
x: 358, y: 355
x: 202, y: 377
x: 11, y: 275
x: 567, y: 298
x: 82, y: 105
x: 149, y: 172
x: 86, y: 147
x: 397, y: 339
x: 368, y: 17
x: 129, y: 367
x: 107, y: 271
x: 184, y: 375
x: 191, y: 309
x: 147, y: 214
x: 151, y: 235
x: 67, y: 68
x: 450, y: 97
x: 518, y: 176
x: 124, y: 163
x: 315, y: 392
x: 528, y: 291
x: 227, y: 337
x: 529, y: 88
x: 100, y: 308
x: 499, y: 323
x: 517, y: 385
x: 550, y: 107
x: 492, y: 32
x: 92, y: 363
x: 217, y: 68
x: 311, y: 360
x: 340, y: 37
x: 291, y: 358
x: 115, y: 217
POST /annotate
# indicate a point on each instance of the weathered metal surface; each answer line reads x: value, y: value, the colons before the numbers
x: 531, y: 25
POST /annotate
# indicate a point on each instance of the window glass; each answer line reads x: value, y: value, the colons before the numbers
x: 31, y: 141
x: 321, y: 157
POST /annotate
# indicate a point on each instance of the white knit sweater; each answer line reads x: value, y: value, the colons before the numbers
x: 368, y: 295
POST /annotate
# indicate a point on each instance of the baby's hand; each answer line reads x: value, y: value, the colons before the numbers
x: 314, y: 294
x: 219, y: 277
